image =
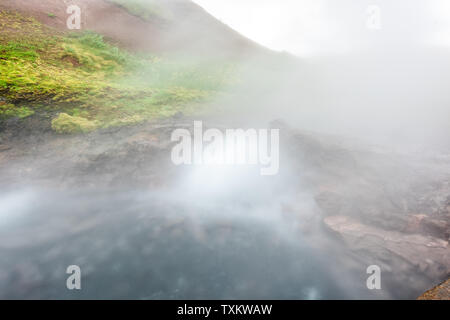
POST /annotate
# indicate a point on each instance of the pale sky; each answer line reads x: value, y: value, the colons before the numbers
x: 308, y: 27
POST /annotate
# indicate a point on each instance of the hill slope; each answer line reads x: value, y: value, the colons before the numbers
x: 79, y: 82
x: 146, y: 25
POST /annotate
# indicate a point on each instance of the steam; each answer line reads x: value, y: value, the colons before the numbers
x: 384, y: 86
x: 228, y: 232
x: 308, y: 28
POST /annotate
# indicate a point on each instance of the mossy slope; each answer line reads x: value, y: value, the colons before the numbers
x: 93, y: 82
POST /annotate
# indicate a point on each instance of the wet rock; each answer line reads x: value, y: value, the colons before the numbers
x: 421, y: 223
x: 4, y: 147
x: 429, y: 254
x: 331, y: 203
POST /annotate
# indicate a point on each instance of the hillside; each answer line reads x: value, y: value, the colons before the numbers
x: 125, y: 66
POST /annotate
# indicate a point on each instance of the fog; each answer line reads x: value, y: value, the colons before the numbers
x: 385, y: 84
x: 310, y: 28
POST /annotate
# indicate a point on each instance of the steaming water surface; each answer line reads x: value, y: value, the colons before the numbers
x: 196, y: 232
x: 144, y: 246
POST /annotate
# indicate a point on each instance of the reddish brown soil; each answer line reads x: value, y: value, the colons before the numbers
x: 192, y: 29
x: 97, y: 15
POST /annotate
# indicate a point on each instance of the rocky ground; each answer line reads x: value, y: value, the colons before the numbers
x: 376, y: 206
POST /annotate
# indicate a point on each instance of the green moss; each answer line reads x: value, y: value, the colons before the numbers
x: 12, y: 111
x: 176, y: 96
x: 65, y: 123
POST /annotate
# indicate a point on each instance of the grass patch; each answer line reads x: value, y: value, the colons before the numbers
x: 18, y: 51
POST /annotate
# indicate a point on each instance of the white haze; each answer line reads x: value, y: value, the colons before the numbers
x: 386, y: 86
x: 324, y: 27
